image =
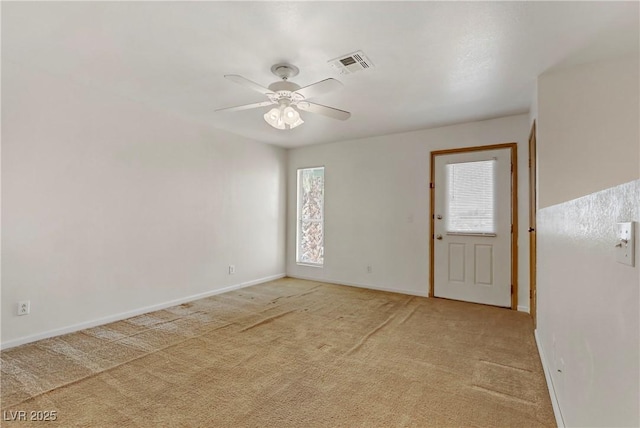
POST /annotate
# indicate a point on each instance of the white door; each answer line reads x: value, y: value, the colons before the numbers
x: 472, y: 226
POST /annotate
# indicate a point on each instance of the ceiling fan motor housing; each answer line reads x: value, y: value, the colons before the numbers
x: 286, y: 90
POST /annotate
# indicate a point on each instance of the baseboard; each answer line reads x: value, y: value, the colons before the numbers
x: 124, y: 315
x: 367, y: 286
x: 523, y: 308
x: 547, y: 375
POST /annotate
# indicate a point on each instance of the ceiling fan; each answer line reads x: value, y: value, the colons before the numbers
x: 287, y: 95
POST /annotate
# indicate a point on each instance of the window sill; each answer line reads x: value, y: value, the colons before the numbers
x: 309, y: 265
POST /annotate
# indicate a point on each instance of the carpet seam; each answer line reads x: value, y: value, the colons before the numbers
x: 368, y: 335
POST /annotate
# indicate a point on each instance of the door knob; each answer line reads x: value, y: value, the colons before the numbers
x: 439, y: 237
x: 531, y: 229
x: 439, y: 217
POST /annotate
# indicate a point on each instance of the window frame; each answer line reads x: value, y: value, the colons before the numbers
x: 299, y: 219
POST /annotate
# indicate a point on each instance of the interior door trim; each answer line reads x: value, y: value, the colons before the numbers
x: 514, y: 212
x: 533, y: 239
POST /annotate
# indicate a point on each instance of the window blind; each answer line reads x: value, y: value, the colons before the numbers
x: 470, y: 194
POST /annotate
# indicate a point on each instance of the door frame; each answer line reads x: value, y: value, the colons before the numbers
x: 514, y: 213
x: 533, y: 239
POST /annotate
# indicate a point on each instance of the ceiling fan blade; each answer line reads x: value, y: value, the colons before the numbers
x: 248, y: 83
x: 324, y: 110
x: 247, y: 106
x: 319, y: 88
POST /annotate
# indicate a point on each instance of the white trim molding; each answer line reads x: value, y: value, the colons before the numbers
x: 547, y: 374
x: 359, y: 285
x: 124, y: 315
x: 522, y: 308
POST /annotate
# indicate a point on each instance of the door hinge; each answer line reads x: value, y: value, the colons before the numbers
x: 432, y: 186
x: 512, y: 228
x: 512, y: 289
x: 512, y: 167
x: 531, y: 294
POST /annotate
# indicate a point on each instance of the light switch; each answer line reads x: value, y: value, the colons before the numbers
x: 625, y: 244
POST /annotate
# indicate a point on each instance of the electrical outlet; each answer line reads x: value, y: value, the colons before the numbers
x: 24, y: 307
x: 626, y: 243
x: 232, y: 269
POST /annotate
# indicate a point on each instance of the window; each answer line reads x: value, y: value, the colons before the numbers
x: 310, y: 234
x: 471, y: 197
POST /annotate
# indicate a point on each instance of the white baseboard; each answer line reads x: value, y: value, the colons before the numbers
x: 547, y: 375
x: 523, y: 308
x: 355, y: 284
x: 124, y: 315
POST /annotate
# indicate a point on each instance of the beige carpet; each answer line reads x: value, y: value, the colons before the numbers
x: 288, y: 353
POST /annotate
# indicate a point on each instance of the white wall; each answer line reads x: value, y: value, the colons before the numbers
x: 588, y: 308
x: 109, y: 207
x: 377, y: 204
x: 588, y: 305
x: 591, y: 134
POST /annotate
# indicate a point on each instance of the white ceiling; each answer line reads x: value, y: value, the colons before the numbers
x: 436, y: 63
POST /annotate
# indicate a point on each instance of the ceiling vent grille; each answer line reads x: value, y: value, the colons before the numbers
x: 351, y: 63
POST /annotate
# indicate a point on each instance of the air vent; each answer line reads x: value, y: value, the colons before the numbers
x: 347, y: 64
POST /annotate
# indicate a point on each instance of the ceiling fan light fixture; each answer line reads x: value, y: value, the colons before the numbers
x: 296, y: 123
x: 291, y: 116
x: 289, y: 97
x: 274, y: 118
x: 283, y: 117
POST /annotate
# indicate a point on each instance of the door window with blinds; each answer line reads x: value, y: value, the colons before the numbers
x: 470, y: 198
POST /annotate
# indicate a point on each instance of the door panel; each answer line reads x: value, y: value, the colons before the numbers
x: 484, y: 264
x: 472, y: 226
x: 456, y: 262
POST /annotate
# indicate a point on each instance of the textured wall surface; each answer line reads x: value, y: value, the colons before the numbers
x: 588, y: 319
